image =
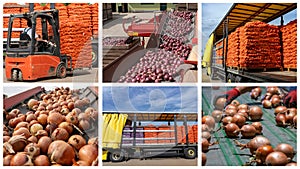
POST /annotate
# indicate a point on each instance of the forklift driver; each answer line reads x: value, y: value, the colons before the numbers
x: 41, y: 44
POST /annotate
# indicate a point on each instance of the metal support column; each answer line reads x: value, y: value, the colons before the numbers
x: 186, y: 130
x: 175, y: 129
x: 226, y: 48
x: 134, y: 130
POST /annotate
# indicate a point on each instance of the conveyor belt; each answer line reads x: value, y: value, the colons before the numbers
x: 226, y: 153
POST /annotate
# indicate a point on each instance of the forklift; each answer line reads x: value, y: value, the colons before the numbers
x: 36, y: 58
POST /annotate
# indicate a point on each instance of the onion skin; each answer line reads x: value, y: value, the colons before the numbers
x: 21, y: 159
x: 88, y: 153
x: 22, y: 131
x: 276, y: 159
x: 61, y: 152
x: 60, y: 134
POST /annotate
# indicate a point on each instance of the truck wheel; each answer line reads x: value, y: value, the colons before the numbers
x: 61, y: 71
x: 94, y: 55
x: 14, y: 75
x: 190, y: 153
x: 116, y: 156
x: 20, y: 77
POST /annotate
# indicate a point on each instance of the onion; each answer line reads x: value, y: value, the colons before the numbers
x: 91, y: 112
x: 272, y: 90
x: 254, y: 95
x: 280, y: 109
x: 206, y: 134
x: 93, y: 141
x: 217, y: 115
x: 291, y: 164
x: 295, y: 121
x: 72, y: 119
x: 248, y: 131
x: 262, y: 152
x: 21, y: 159
x: 42, y: 119
x: 67, y: 126
x: 267, y: 104
x: 41, y: 160
x: 22, y: 131
x: 83, y: 116
x: 235, y: 102
x: 60, y: 134
x: 255, y: 113
x: 204, y: 158
x: 88, y: 153
x: 55, y: 118
x: 6, y: 138
x: 32, y: 149
x: 287, y: 149
x: 280, y: 120
x: 30, y: 117
x: 232, y: 130
x: 61, y: 152
x: 205, y: 144
x: 204, y: 127
x: 258, y: 126
x: 276, y: 159
x: 230, y: 112
x: 239, y: 120
x: 7, y: 159
x: 275, y: 101
x: 77, y: 141
x: 84, y: 124
x: 258, y: 90
x: 227, y: 120
x: 35, y: 128
x: 290, y: 114
x: 18, y: 143
x: 44, y: 143
x: 32, y: 139
x: 220, y: 103
x: 243, y: 106
x: 31, y: 103
x: 14, y: 122
x: 231, y: 106
x: 254, y: 143
x: 210, y: 121
x: 41, y: 133
x: 80, y: 163
x: 21, y: 124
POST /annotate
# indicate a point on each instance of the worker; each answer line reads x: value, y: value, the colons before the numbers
x: 289, y: 100
x: 28, y: 31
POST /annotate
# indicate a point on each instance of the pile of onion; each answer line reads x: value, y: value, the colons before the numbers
x: 47, y: 134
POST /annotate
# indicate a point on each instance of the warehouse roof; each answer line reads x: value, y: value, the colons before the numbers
x: 241, y: 13
x: 157, y: 116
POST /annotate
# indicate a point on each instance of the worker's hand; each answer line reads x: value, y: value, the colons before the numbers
x: 290, y: 100
x: 229, y: 95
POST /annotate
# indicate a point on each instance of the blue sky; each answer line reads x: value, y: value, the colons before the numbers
x: 151, y: 99
x: 213, y: 13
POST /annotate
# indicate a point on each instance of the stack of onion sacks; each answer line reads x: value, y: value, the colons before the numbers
x: 40, y: 136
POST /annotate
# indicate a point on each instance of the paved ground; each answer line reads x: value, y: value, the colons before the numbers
x: 171, y: 161
x: 206, y: 78
x: 87, y: 76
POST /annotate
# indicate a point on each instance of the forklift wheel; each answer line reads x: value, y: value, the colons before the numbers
x: 116, y: 156
x: 190, y: 153
x: 61, y: 71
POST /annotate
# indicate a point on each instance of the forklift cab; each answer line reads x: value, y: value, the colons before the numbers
x: 44, y: 24
x: 34, y: 58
